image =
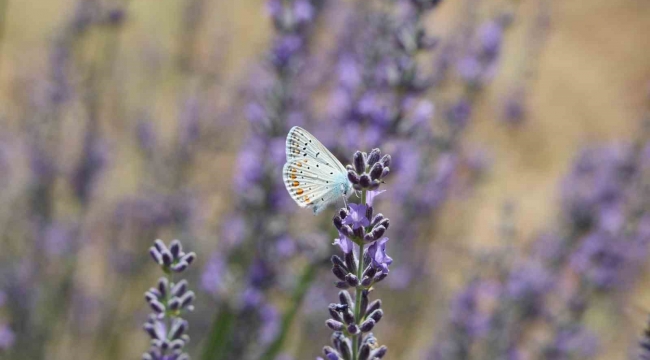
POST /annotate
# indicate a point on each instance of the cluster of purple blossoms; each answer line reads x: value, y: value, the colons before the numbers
x: 364, y: 264
x: 598, y: 248
x: 256, y: 234
x: 168, y: 301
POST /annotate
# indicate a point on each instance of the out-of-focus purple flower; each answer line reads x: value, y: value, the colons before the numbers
x: 357, y: 217
x: 490, y: 37
x: 286, y: 246
x: 605, y: 261
x: 528, y: 284
x: 303, y: 11
x: 466, y: 313
x: 459, y: 114
x: 377, y: 252
x: 572, y: 342
x: 7, y: 337
x: 344, y: 243
x: 270, y: 318
x: 284, y: 49
x: 252, y: 297
x: 58, y: 239
x: 514, y: 109
x: 212, y: 275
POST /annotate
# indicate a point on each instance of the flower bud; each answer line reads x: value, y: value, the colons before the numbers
x: 368, y: 325
x: 342, y: 285
x: 385, y: 161
x: 352, y: 280
x: 378, y: 232
x: 359, y: 162
x: 160, y: 245
x: 376, y: 315
x: 353, y: 177
x: 189, y: 258
x: 334, y: 313
x: 339, y: 272
x: 353, y: 329
x: 364, y: 352
x: 175, y: 248
x: 155, y: 255
x: 374, y: 156
x: 334, y: 325
x: 347, y: 231
x: 384, y: 222
x: 167, y: 258
x: 385, y: 172
x: 375, y: 305
x: 364, y: 304
x: 338, y: 222
x: 379, y: 217
x: 350, y: 263
x: 345, y: 298
x: 364, y: 181
x: 180, y: 288
x: 370, y: 272
x: 348, y: 316
x: 376, y: 171
x: 336, y: 260
x: 379, y: 353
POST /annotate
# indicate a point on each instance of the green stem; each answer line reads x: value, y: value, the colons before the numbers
x: 359, y: 290
x: 299, y: 293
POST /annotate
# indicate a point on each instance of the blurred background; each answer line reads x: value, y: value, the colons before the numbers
x: 519, y: 191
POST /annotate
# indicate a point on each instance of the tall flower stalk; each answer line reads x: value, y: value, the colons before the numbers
x: 364, y: 263
x: 168, y: 300
x: 256, y: 233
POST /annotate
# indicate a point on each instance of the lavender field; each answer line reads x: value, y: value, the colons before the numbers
x: 165, y: 194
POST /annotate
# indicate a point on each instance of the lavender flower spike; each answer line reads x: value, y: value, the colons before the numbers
x: 168, y: 301
x: 354, y: 318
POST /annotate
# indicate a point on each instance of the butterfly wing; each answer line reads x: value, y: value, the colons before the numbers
x: 302, y: 144
x: 311, y: 187
x: 312, y: 175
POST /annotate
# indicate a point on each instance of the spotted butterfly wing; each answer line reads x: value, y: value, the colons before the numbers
x: 312, y: 175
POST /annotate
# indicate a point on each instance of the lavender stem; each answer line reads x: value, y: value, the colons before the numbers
x: 357, y: 298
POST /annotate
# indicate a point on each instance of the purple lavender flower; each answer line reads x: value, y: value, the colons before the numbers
x: 344, y: 243
x: 168, y: 300
x: 357, y: 217
x: 7, y: 337
x: 377, y: 252
x: 353, y: 320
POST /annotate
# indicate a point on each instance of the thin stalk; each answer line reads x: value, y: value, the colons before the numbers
x: 357, y: 298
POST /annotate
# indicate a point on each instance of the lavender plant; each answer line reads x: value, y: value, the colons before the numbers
x: 596, y: 252
x: 168, y: 300
x: 364, y: 263
x: 248, y: 323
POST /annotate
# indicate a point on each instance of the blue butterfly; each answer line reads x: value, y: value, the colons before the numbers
x: 312, y: 175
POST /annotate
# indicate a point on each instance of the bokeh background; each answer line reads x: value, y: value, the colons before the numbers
x: 127, y: 121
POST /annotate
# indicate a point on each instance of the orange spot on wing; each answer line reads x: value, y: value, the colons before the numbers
x: 293, y: 170
x: 307, y: 199
x: 299, y: 164
x: 299, y: 191
x: 295, y: 183
x: 293, y: 176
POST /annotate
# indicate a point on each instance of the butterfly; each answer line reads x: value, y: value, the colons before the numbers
x: 312, y: 175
